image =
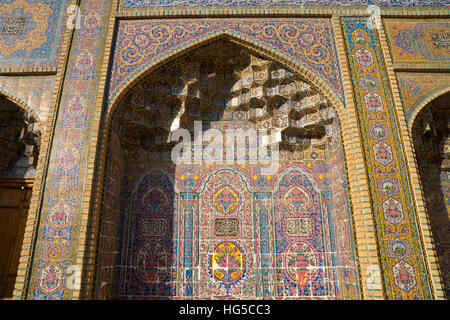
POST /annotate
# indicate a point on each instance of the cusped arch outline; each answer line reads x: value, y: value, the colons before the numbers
x: 423, y: 102
x: 240, y: 39
x: 31, y: 109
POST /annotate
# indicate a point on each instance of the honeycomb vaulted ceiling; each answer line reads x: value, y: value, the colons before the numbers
x: 224, y: 82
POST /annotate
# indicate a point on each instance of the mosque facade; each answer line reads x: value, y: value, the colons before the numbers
x: 241, y: 149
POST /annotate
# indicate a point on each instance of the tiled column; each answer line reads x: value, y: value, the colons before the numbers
x: 57, y: 262
x: 358, y: 181
x: 187, y: 206
x: 404, y: 265
x: 413, y: 170
x: 263, y: 207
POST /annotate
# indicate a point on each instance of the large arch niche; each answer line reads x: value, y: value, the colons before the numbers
x: 19, y: 149
x: 430, y: 135
x: 225, y: 230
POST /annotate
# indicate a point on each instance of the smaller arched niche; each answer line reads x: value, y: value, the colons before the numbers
x: 217, y: 225
x: 19, y: 149
x: 19, y: 141
x: 431, y: 138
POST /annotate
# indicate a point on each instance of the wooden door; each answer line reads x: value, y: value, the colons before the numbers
x: 15, y: 198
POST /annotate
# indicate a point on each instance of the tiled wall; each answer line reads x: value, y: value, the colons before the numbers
x: 81, y: 100
x: 171, y: 230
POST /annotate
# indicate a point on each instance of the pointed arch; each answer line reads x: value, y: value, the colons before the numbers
x: 267, y: 52
x: 429, y: 140
x: 31, y: 109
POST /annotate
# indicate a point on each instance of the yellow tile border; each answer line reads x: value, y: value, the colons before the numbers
x: 359, y: 182
x: 411, y: 169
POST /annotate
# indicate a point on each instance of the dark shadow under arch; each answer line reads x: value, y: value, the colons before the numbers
x: 431, y: 139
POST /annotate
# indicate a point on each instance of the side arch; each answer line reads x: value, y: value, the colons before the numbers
x: 424, y: 101
x: 17, y: 184
x: 33, y: 110
x: 429, y: 140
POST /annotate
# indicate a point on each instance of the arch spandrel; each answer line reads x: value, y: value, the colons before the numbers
x: 417, y: 89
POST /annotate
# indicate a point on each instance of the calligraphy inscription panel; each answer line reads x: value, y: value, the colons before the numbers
x: 13, y: 26
x: 226, y: 227
x: 298, y: 227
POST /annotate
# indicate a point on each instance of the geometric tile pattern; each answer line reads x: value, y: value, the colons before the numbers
x: 403, y: 267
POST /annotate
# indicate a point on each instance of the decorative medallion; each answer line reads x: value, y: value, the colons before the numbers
x: 153, y: 262
x: 399, y: 248
x: 393, y: 211
x: 370, y: 83
x: 364, y: 57
x: 227, y: 263
x: 378, y: 131
x: 76, y: 105
x: 59, y: 215
x: 373, y: 102
x: 300, y: 262
x: 51, y: 278
x: 383, y: 153
x: 55, y: 251
x: 388, y: 187
x: 404, y: 276
x: 225, y: 200
x: 155, y: 198
x: 68, y: 158
x: 297, y: 199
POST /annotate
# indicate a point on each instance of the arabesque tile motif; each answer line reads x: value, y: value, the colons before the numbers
x: 404, y: 269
